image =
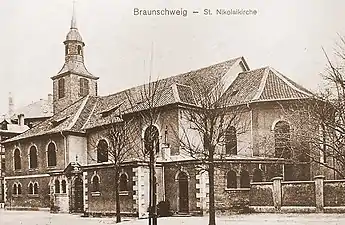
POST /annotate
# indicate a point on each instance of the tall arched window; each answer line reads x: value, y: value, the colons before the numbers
x: 17, y: 159
x: 63, y: 186
x: 51, y: 154
x: 231, y: 179
x: 31, y: 188
x: 123, y: 182
x: 244, y: 179
x: 151, y: 139
x: 95, y: 183
x: 231, y: 141
x: 61, y: 88
x: 33, y: 157
x: 66, y: 50
x: 102, y: 151
x: 83, y: 86
x: 35, y: 188
x: 57, y: 186
x: 257, y: 175
x: 282, y: 138
x: 15, y: 189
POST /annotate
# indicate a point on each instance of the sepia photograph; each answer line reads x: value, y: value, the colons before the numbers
x: 172, y: 112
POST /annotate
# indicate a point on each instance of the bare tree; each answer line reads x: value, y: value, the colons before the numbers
x: 119, y: 132
x: 208, y: 126
x: 319, y: 122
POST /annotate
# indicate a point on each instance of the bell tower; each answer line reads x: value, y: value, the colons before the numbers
x: 73, y: 81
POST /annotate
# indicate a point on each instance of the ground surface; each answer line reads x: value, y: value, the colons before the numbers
x: 43, y: 218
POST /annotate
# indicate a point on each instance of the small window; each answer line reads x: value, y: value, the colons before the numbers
x: 83, y: 86
x: 33, y: 157
x: 51, y: 154
x: 66, y: 49
x: 19, y: 191
x: 57, y: 186
x: 17, y: 160
x: 36, y: 188
x: 123, y: 183
x: 63, y: 186
x: 95, y: 184
x: 79, y: 50
x: 231, y: 179
x: 61, y: 88
x: 244, y: 179
x: 31, y: 189
x: 15, y: 189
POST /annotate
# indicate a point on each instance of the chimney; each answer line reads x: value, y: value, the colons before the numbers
x: 10, y: 105
x: 21, y: 119
x: 50, y: 98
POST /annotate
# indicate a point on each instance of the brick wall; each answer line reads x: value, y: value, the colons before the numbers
x: 26, y: 200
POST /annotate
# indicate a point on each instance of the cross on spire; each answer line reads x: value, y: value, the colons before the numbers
x: 74, y: 20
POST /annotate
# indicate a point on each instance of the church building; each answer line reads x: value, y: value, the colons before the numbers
x: 64, y: 163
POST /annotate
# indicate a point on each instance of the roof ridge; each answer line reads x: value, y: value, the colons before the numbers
x: 249, y: 71
x: 174, y: 76
x: 76, y: 116
x: 91, y: 113
x: 262, y: 84
x: 286, y: 81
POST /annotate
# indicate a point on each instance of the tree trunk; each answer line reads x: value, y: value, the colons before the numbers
x: 117, y: 196
x: 212, y: 216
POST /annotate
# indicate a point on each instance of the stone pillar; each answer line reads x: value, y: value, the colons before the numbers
x: 319, y: 202
x: 277, y: 192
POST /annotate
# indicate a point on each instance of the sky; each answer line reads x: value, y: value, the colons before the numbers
x: 286, y: 35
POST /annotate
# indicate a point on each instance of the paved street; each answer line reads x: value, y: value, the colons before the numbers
x: 45, y: 218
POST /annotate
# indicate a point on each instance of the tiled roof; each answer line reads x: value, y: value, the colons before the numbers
x: 76, y: 67
x: 264, y: 84
x: 40, y: 109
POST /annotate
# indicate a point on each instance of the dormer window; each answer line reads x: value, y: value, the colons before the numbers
x: 83, y: 87
x: 61, y: 88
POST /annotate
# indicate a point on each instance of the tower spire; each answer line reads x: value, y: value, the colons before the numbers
x: 74, y: 20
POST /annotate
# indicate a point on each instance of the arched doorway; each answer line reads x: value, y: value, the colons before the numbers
x: 183, y: 192
x: 78, y: 195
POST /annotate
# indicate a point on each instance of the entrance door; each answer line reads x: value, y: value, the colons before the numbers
x: 183, y: 192
x: 78, y: 195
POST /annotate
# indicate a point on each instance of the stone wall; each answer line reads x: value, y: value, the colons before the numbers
x: 298, y: 196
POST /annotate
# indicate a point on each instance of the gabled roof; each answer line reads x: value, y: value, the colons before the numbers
x: 39, y: 109
x: 264, y: 84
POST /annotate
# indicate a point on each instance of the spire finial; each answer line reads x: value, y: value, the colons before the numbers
x: 73, y: 21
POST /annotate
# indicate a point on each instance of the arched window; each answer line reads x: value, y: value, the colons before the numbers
x: 17, y: 159
x: 79, y: 50
x: 51, y: 154
x: 231, y: 179
x: 282, y: 140
x: 36, y: 188
x: 31, y: 188
x: 231, y: 141
x: 102, y: 151
x: 19, y: 190
x: 63, y: 186
x: 61, y: 88
x: 95, y: 183
x: 257, y: 175
x: 244, y: 179
x: 33, y: 157
x: 14, y: 189
x: 123, y: 182
x: 151, y: 139
x: 57, y: 186
x: 83, y: 86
